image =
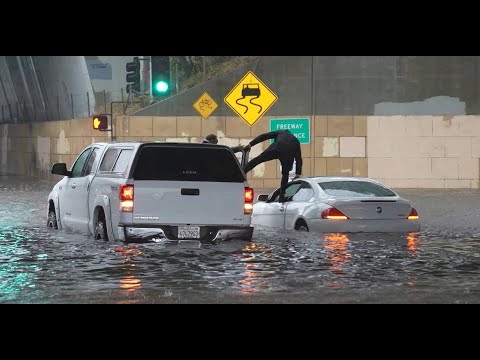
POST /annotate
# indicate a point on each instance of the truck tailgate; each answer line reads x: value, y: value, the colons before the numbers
x: 184, y: 202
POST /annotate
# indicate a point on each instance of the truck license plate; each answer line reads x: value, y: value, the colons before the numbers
x: 189, y: 232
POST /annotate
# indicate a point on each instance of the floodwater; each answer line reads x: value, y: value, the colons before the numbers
x: 441, y: 264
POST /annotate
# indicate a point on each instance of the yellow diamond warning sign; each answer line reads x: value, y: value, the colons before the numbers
x: 205, y: 105
x: 250, y: 98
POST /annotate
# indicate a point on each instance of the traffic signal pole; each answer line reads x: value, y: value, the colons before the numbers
x: 133, y: 75
x: 133, y: 87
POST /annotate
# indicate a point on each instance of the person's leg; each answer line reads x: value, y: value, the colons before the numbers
x: 283, y: 186
x: 267, y: 155
x: 286, y: 167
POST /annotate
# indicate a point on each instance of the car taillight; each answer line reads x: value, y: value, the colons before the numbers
x: 333, y: 214
x: 126, y: 198
x: 248, y: 201
x: 413, y: 215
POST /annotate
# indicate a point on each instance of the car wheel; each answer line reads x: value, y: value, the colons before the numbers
x: 301, y: 226
x: 52, y: 220
x: 101, y: 231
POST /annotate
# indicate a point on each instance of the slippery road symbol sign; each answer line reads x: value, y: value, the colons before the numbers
x: 250, y: 98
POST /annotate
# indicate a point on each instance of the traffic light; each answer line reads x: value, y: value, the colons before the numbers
x: 100, y: 122
x: 160, y: 69
x: 133, y: 75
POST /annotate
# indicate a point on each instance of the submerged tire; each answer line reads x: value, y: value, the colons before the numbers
x: 52, y: 220
x: 101, y: 231
x: 301, y: 226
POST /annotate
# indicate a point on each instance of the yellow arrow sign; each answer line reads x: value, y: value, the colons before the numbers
x: 250, y: 98
x: 205, y: 105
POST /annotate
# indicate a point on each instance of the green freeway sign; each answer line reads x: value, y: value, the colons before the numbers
x: 300, y: 127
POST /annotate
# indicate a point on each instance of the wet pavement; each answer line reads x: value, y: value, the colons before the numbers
x: 441, y: 264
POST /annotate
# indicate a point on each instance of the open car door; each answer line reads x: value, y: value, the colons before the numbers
x: 244, y: 161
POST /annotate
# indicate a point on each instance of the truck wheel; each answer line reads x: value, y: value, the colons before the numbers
x: 101, y: 231
x: 52, y: 220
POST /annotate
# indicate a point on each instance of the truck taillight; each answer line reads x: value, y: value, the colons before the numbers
x: 248, y: 201
x: 126, y: 198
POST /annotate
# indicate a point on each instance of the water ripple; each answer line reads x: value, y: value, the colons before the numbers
x: 441, y: 264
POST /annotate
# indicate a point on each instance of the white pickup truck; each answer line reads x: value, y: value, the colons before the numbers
x: 153, y: 191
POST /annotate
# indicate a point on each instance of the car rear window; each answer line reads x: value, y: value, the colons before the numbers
x: 354, y: 189
x: 187, y: 164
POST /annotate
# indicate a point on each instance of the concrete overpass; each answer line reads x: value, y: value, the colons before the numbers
x: 408, y: 121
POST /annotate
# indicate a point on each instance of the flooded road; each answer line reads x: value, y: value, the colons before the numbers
x: 441, y: 264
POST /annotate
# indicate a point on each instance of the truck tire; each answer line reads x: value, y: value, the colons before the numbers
x: 101, y: 231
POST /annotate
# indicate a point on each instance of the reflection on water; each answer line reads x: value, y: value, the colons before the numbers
x: 337, y: 250
x: 38, y: 265
x: 255, y: 275
x: 129, y: 282
x: 16, y: 276
x: 412, y: 243
x: 336, y: 246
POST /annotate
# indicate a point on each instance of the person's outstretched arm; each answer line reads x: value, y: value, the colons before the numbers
x: 238, y: 148
x: 261, y: 138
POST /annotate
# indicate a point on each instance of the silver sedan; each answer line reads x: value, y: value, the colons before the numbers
x: 336, y: 204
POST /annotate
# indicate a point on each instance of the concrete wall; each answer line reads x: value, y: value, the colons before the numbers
x: 39, y: 88
x: 349, y: 85
x: 425, y: 151
x: 400, y: 151
x: 31, y: 149
x: 42, y: 88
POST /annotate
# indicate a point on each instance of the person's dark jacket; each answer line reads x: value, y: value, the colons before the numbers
x: 285, y: 143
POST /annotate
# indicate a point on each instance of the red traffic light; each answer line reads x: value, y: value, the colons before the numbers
x: 100, y: 122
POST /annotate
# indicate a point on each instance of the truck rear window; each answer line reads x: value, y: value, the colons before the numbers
x: 187, y: 164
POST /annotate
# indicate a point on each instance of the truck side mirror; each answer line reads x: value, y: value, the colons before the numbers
x: 60, y: 169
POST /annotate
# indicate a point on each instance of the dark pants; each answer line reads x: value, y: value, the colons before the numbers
x: 267, y: 155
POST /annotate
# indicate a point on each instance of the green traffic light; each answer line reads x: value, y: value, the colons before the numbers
x: 161, y: 86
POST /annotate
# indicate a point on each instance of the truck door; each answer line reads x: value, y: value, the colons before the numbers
x: 75, y: 199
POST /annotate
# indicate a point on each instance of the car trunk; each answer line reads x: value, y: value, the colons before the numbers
x: 380, y: 208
